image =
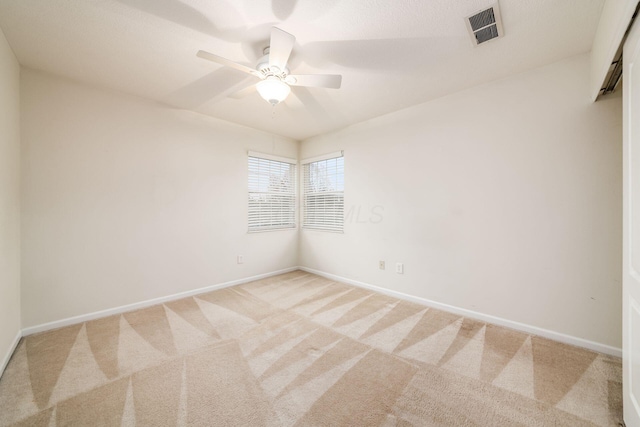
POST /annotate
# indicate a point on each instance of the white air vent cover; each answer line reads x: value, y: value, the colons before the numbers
x: 485, y: 25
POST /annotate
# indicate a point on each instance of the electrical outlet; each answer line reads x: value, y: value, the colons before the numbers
x: 240, y: 259
x: 399, y: 268
x: 381, y: 265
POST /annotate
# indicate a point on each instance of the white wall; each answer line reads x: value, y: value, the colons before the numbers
x: 504, y: 199
x: 9, y: 200
x: 126, y: 200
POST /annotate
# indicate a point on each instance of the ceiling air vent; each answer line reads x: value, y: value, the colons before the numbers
x: 485, y: 25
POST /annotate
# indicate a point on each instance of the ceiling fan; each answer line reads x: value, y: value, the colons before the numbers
x: 275, y: 80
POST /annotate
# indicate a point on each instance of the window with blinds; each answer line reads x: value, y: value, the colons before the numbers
x: 272, y: 193
x: 323, y: 191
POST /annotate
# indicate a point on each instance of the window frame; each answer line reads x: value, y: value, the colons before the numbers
x: 304, y: 208
x: 293, y: 193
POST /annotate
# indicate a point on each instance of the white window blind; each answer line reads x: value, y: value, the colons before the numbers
x: 323, y: 189
x: 272, y: 193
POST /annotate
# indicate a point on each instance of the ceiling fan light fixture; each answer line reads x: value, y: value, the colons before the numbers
x: 272, y: 70
x: 273, y: 90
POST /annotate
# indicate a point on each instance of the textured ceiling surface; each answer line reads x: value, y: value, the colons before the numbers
x: 391, y: 54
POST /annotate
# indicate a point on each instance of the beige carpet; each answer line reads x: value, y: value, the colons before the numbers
x: 298, y: 349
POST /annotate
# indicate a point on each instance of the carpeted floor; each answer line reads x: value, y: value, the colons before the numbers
x: 298, y: 349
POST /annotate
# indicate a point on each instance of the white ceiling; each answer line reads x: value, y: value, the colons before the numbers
x: 392, y: 54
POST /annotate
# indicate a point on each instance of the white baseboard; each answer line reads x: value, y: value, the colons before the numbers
x: 10, y: 350
x: 143, y: 304
x: 556, y: 336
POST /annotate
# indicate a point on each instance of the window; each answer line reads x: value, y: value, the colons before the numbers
x: 272, y: 192
x: 323, y: 186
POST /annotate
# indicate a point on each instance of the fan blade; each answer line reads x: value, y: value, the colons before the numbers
x: 243, y: 92
x: 209, y: 89
x: 331, y: 81
x: 282, y: 9
x: 224, y: 61
x: 280, y: 48
x: 399, y: 54
x: 293, y: 101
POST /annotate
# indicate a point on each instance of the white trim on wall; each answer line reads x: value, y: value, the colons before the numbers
x: 614, y: 21
x: 272, y: 157
x: 143, y: 304
x: 323, y: 157
x: 12, y: 348
x: 556, y: 336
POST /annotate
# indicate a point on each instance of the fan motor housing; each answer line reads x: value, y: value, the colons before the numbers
x: 266, y: 70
